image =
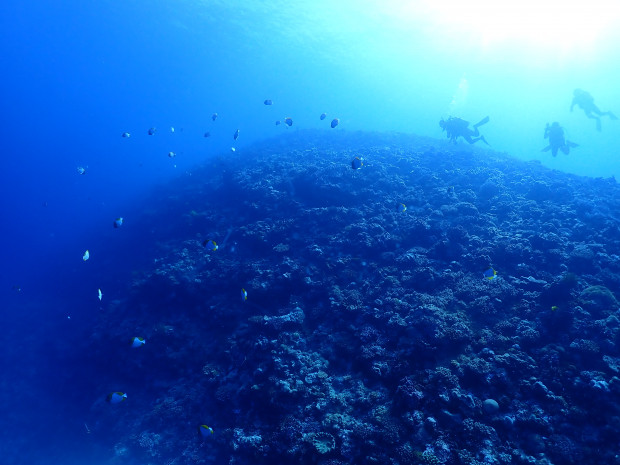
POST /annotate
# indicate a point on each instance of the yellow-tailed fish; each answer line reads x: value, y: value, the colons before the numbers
x: 205, y: 431
x: 210, y: 245
x: 490, y: 274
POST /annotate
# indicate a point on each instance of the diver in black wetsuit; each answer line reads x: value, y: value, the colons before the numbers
x: 457, y: 127
x: 585, y: 101
x: 555, y: 134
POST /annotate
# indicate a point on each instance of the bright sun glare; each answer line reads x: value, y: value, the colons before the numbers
x: 533, y: 26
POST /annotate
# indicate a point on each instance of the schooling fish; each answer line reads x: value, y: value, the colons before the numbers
x: 236, y: 134
x: 401, y: 208
x: 126, y: 134
x: 323, y: 116
x: 268, y: 102
x: 172, y: 154
x: 151, y: 131
x: 86, y: 255
x: 244, y: 295
x: 214, y: 116
x: 100, y: 294
x: 288, y: 121
x: 81, y: 170
x: 335, y: 122
x: 137, y: 342
x: 118, y: 222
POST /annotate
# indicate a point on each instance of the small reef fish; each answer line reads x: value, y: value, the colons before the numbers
x: 118, y: 222
x: 137, y: 342
x: 555, y: 308
x: 86, y: 255
x: 100, y: 294
x: 244, y: 295
x: 236, y: 134
x: 171, y: 128
x: 335, y: 122
x: 210, y: 244
x: 116, y: 397
x: 401, y: 208
x: 81, y: 170
x: 278, y: 123
x: 151, y: 131
x: 214, y: 116
x: 171, y: 154
x: 268, y: 102
x: 357, y: 163
x: 490, y: 274
x: 205, y: 431
x: 232, y: 149
x: 207, y: 134
x: 126, y: 134
x: 288, y: 121
x: 323, y: 116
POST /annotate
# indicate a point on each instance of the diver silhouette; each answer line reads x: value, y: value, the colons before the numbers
x: 585, y: 101
x: 457, y: 127
x: 555, y: 134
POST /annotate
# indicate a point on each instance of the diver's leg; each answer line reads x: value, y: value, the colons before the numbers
x: 468, y: 138
x: 564, y: 148
x: 484, y: 120
x: 473, y: 141
x: 594, y: 109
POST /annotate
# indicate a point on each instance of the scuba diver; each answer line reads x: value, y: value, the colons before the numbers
x: 555, y: 134
x: 457, y: 127
x: 585, y: 101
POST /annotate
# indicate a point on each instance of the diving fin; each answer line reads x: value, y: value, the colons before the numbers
x: 546, y: 149
x: 484, y: 120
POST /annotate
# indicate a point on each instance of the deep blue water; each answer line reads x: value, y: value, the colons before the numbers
x: 76, y: 75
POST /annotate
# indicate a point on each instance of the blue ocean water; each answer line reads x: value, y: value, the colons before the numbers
x: 77, y: 75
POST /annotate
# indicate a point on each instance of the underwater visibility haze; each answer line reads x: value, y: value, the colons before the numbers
x: 310, y: 232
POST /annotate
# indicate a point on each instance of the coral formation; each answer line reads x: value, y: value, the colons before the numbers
x: 369, y: 334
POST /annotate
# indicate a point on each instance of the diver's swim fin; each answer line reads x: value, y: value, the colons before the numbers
x: 571, y: 144
x: 546, y: 149
x: 611, y: 115
x: 484, y: 140
x: 484, y: 120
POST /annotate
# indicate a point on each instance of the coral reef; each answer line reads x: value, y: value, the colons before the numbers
x: 369, y: 334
